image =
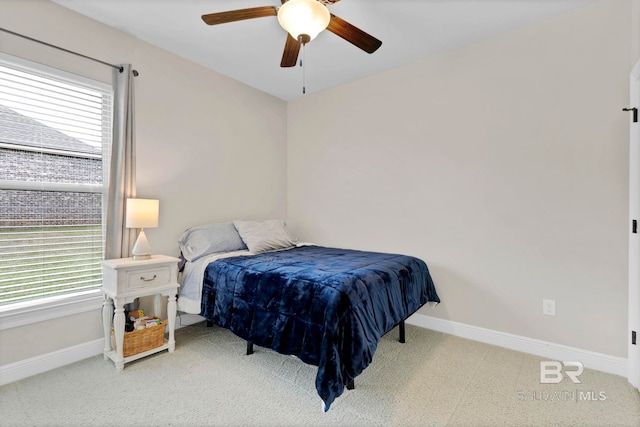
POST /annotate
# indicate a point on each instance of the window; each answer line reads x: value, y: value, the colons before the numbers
x: 55, y: 136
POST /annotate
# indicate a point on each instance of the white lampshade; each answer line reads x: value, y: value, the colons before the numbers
x: 304, y: 18
x: 142, y: 213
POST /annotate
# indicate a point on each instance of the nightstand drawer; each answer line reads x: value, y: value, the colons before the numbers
x: 147, y: 277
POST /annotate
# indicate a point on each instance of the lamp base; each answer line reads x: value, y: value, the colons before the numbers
x: 141, y: 250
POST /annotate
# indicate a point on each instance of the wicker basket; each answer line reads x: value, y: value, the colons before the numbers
x: 141, y: 340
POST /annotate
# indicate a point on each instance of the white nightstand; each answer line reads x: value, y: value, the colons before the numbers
x: 124, y: 280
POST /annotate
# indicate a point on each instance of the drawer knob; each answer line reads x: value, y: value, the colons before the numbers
x: 144, y: 279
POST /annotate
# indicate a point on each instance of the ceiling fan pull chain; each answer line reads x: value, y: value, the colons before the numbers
x: 302, y: 61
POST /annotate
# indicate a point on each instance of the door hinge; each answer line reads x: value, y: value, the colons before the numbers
x: 635, y: 113
x: 633, y: 337
x: 634, y: 226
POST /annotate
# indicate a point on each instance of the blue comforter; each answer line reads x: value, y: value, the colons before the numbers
x: 327, y: 306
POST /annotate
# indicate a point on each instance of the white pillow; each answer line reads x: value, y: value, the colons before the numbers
x: 208, y: 239
x: 263, y: 236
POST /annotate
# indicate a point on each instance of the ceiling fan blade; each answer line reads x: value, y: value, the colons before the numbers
x: 239, y: 15
x: 353, y: 35
x: 291, y: 51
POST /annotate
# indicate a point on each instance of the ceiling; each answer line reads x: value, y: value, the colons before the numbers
x: 250, y: 50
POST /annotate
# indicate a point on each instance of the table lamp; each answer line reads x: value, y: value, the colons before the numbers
x: 142, y: 213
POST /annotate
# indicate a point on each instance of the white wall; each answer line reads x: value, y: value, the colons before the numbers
x: 635, y: 31
x: 210, y: 148
x: 503, y: 164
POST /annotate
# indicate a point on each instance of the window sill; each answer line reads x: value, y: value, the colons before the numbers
x: 16, y: 315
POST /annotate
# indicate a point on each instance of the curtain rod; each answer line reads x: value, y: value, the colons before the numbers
x: 117, y: 67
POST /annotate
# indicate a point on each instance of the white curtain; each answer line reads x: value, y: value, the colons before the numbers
x: 122, y: 175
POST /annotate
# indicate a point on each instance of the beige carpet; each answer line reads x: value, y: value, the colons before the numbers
x: 433, y: 379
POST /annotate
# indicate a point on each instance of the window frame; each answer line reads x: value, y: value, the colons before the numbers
x: 38, y: 310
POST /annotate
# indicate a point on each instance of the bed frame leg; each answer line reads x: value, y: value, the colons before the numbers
x: 401, y: 328
x: 209, y: 324
x: 351, y: 385
x: 249, y: 348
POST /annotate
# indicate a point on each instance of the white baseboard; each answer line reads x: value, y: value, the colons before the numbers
x: 36, y: 365
x: 598, y: 361
x: 186, y: 319
x: 590, y: 359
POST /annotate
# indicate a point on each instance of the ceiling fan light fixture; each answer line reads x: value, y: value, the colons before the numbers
x: 303, y: 19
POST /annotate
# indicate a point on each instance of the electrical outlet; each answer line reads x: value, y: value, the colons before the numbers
x: 549, y: 307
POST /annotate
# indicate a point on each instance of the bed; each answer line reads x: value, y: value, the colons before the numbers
x: 327, y: 306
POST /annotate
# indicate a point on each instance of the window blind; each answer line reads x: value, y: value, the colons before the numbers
x: 55, y: 136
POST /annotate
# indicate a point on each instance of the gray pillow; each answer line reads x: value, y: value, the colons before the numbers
x: 264, y: 236
x: 208, y: 239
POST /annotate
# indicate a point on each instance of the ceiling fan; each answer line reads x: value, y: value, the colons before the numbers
x: 303, y: 20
